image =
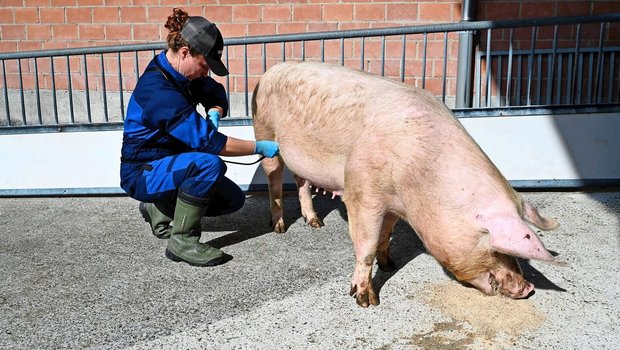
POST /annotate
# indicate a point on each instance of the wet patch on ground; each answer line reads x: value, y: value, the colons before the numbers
x: 475, y: 321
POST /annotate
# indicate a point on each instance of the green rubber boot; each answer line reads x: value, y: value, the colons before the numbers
x: 184, y: 242
x: 155, y: 215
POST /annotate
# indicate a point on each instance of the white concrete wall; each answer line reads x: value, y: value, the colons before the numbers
x: 531, y: 151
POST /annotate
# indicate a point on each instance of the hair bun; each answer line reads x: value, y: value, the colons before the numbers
x: 177, y: 20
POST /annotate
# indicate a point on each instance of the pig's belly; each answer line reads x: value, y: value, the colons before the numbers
x: 321, y: 169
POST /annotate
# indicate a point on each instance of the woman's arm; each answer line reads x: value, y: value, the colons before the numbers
x: 238, y: 147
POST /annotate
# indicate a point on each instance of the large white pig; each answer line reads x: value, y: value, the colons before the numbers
x: 393, y: 151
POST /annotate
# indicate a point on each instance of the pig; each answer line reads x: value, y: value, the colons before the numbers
x: 394, y: 151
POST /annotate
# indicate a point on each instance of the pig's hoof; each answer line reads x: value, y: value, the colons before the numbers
x: 315, y: 222
x: 386, y: 266
x: 279, y: 227
x: 365, y: 298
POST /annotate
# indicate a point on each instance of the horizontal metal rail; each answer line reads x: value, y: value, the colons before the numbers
x: 327, y: 35
x: 86, y: 88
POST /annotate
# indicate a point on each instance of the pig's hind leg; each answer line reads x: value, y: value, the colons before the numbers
x: 305, y: 200
x: 274, y: 169
x: 383, y: 250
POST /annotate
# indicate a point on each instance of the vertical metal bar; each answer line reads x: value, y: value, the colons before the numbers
x: 509, y: 71
x: 322, y: 50
x: 539, y: 78
x: 549, y: 77
x: 6, y: 96
x: 599, y: 65
x: 283, y: 51
x: 136, y: 64
x: 558, y: 90
x: 54, y: 99
x: 104, y: 89
x: 478, y: 81
x: 362, y: 48
x: 264, y: 57
x: 590, y: 76
x: 342, y: 51
x: 445, y: 66
x: 246, y: 70
x: 531, y: 65
x: 37, y: 91
x: 551, y: 66
x: 489, y: 62
x: 70, y: 88
x: 21, y: 90
x: 303, y: 50
x: 569, y: 78
x: 610, y: 85
x: 498, y: 82
x: 120, y: 85
x: 424, y: 61
x: 579, y: 78
x: 402, y: 58
x: 576, y: 87
x: 465, y: 56
x: 383, y: 55
x: 618, y: 91
x: 519, y: 79
x: 88, y: 112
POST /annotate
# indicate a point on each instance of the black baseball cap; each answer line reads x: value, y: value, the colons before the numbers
x: 204, y: 36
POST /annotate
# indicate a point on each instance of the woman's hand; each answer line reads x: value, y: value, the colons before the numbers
x: 267, y: 148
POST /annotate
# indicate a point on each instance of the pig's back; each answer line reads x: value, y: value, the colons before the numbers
x: 337, y: 103
x: 321, y: 113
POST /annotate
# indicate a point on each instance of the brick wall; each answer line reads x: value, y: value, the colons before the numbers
x: 49, y: 24
x: 46, y: 24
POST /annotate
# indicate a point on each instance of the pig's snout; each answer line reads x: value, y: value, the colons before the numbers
x: 511, y: 285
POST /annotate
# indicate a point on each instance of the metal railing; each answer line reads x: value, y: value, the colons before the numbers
x: 572, y: 75
x: 576, y: 66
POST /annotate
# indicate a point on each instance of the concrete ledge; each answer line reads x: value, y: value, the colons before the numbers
x: 547, y: 151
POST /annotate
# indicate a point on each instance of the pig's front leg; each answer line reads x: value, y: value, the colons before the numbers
x: 305, y: 200
x: 274, y: 169
x: 364, y: 228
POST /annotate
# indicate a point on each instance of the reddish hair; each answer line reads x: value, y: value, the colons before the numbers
x: 175, y: 24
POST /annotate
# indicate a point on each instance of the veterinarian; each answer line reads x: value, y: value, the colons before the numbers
x: 170, y: 154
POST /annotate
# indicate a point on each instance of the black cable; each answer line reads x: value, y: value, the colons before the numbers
x: 239, y: 163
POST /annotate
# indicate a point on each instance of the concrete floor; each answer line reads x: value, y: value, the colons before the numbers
x: 86, y: 273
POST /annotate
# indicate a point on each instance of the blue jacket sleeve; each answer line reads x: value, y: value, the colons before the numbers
x: 169, y: 111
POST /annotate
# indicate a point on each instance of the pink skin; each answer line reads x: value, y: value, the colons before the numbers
x: 413, y: 161
x: 191, y: 67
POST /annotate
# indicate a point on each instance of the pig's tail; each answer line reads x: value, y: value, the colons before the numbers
x: 175, y: 24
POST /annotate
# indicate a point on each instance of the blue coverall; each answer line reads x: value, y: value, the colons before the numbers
x: 169, y: 148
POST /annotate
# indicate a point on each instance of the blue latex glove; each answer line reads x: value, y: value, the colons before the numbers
x: 267, y: 148
x: 214, y: 117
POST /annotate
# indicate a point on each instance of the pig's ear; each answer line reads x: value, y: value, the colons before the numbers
x: 514, y: 237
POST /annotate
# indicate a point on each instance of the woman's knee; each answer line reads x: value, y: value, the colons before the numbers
x: 209, y: 166
x: 203, y: 175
